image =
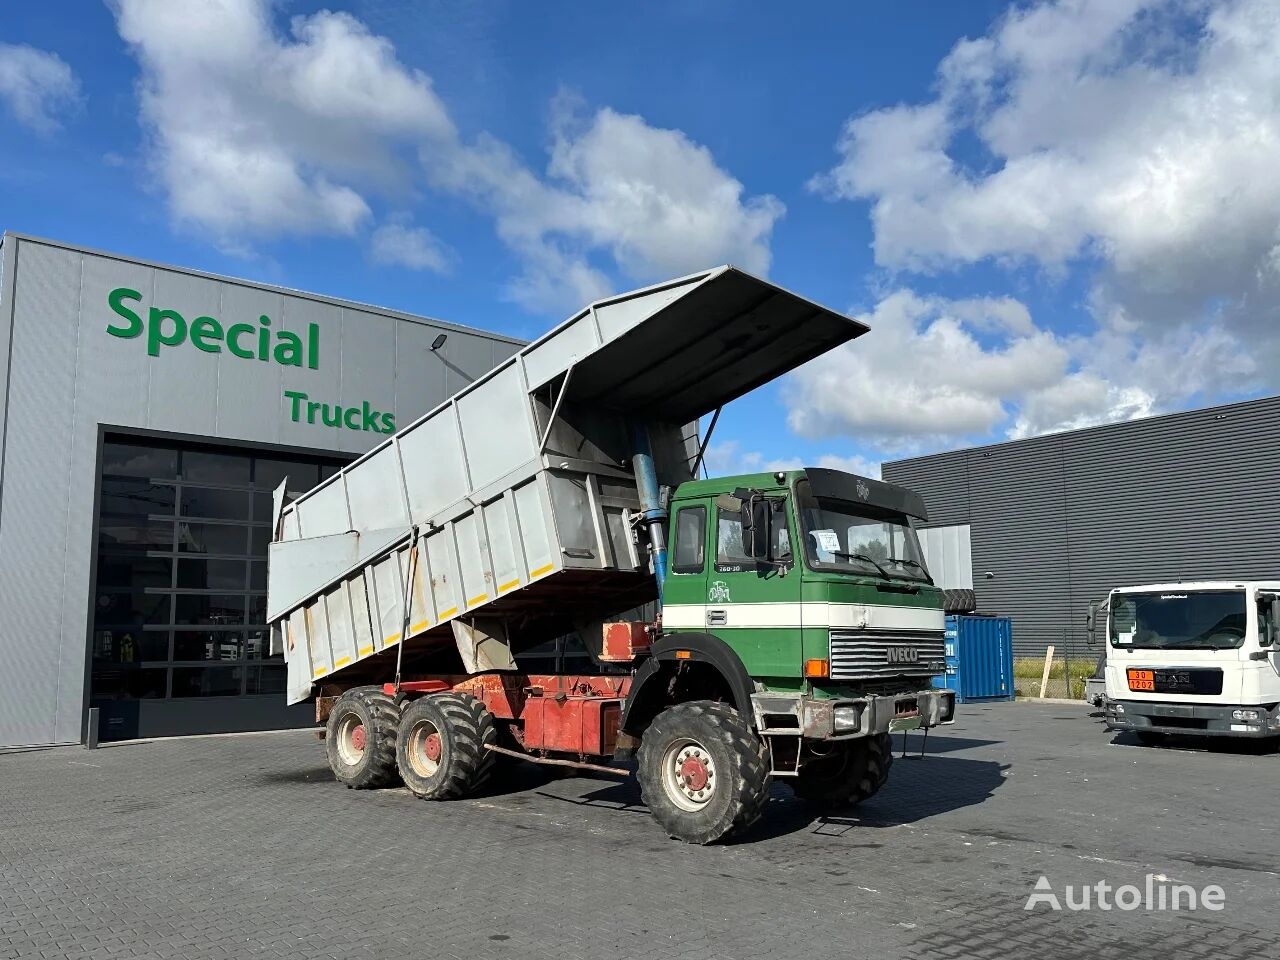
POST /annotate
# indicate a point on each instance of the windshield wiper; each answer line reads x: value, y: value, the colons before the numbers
x: 909, y: 563
x: 862, y: 556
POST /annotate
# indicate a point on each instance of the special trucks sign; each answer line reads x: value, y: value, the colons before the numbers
x: 248, y: 341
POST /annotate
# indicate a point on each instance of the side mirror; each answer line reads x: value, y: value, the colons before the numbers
x: 1274, y: 627
x: 1096, y: 607
x: 756, y: 520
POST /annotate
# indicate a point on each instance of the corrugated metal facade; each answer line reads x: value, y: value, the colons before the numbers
x: 65, y: 379
x: 1059, y: 520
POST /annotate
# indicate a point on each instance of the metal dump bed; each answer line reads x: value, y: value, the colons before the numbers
x: 512, y: 501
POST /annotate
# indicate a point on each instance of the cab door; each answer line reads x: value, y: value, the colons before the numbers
x: 684, y: 597
x: 751, y: 604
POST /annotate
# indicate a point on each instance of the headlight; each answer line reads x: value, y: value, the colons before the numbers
x: 845, y: 719
x: 1250, y: 715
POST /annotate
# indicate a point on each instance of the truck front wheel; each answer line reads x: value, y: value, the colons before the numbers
x: 854, y: 772
x: 360, y: 739
x: 441, y: 746
x: 703, y: 772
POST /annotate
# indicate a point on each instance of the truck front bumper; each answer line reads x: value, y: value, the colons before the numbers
x: 1193, y: 719
x: 852, y: 717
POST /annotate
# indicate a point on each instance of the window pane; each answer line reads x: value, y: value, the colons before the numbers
x: 259, y: 537
x: 130, y: 645
x: 133, y: 460
x: 263, y: 505
x: 729, y: 546
x: 258, y: 575
x: 209, y: 609
x: 268, y: 679
x: 206, y: 681
x: 135, y: 534
x: 214, y: 467
x: 130, y: 609
x: 691, y: 527
x: 128, y: 497
x: 258, y: 609
x: 216, y: 504
x: 227, y: 575
x: 269, y: 473
x: 128, y: 683
x: 115, y: 570
x: 258, y: 645
x: 212, y: 538
x: 208, y: 645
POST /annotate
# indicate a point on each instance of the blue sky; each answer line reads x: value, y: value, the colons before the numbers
x: 1052, y: 214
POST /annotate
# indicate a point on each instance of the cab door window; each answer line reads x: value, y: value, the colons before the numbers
x: 731, y: 551
x: 689, y: 555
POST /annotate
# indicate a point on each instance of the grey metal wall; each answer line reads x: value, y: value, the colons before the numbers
x: 64, y: 377
x: 1059, y: 520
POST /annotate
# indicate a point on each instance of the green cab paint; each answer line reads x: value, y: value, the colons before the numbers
x: 758, y: 609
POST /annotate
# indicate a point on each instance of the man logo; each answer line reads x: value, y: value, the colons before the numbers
x: 863, y: 490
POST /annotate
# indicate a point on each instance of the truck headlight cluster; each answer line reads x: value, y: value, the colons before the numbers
x: 1249, y: 715
x: 845, y: 719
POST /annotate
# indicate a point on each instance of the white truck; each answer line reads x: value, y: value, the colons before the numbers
x: 1198, y: 658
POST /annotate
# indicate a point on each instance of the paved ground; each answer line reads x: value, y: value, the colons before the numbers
x: 244, y: 847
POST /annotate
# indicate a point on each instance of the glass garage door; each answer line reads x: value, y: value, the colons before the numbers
x: 179, y: 640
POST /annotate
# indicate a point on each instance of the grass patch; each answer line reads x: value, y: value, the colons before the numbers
x: 1066, y: 678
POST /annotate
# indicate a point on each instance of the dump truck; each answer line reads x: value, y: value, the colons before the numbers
x: 738, y: 629
x: 1192, y: 658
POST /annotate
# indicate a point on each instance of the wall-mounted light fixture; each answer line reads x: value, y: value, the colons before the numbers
x: 438, y: 342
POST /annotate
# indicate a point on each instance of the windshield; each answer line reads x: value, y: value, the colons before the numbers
x: 1209, y: 620
x: 857, y: 537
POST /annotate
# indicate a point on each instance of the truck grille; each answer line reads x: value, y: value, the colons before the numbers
x: 881, y: 654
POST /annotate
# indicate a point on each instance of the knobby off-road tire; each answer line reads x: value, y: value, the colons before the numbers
x: 959, y: 601
x: 703, y: 772
x: 855, y: 774
x: 360, y: 739
x: 441, y: 746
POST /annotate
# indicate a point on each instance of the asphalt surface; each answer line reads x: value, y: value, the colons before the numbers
x: 244, y: 846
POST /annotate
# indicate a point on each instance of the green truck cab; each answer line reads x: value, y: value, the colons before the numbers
x: 808, y: 591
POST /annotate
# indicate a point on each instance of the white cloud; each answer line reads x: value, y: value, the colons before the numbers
x: 255, y: 133
x: 651, y: 199
x: 399, y: 244
x: 1135, y: 141
x: 259, y: 133
x: 1108, y: 136
x: 727, y: 458
x: 37, y: 86
x: 922, y: 375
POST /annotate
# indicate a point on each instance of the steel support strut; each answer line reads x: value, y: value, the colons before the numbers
x: 651, y: 508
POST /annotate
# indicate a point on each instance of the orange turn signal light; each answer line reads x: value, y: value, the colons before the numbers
x: 817, y: 668
x: 683, y: 655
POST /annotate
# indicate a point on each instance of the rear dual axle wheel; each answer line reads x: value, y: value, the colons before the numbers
x: 441, y: 746
x: 360, y: 739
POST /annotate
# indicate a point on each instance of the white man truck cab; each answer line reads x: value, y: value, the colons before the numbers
x: 1198, y: 658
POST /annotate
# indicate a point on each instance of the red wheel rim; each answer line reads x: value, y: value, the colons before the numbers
x: 694, y: 774
x: 432, y: 747
x: 357, y: 738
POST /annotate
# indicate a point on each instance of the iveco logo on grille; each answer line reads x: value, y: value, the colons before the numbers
x: 902, y: 654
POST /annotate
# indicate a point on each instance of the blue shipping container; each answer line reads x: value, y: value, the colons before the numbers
x: 979, y: 658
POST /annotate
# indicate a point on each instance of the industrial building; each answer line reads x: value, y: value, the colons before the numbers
x: 148, y: 414
x: 1040, y: 527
